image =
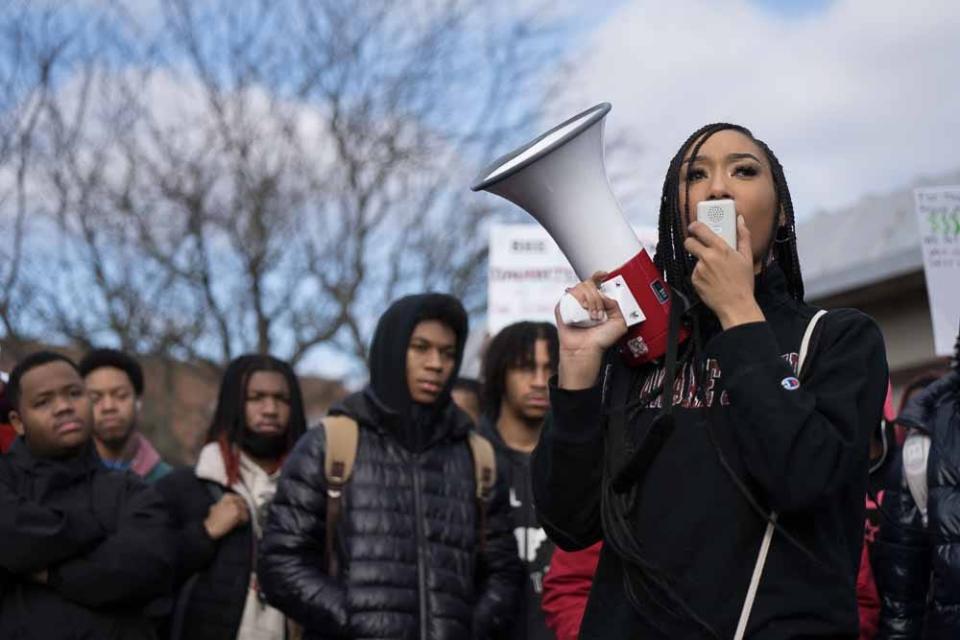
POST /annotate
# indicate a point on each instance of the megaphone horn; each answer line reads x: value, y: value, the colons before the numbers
x: 560, y: 179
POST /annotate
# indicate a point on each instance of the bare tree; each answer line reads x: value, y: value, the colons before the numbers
x: 251, y: 176
x: 28, y: 59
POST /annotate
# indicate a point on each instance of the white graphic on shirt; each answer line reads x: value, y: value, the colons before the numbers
x: 529, y: 540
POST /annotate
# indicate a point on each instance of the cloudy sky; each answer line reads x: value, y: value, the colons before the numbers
x: 854, y: 96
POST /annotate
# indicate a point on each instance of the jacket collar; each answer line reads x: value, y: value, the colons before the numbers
x: 48, y: 475
x: 210, y: 464
x: 770, y: 287
x: 364, y: 407
x: 211, y: 467
x: 921, y: 409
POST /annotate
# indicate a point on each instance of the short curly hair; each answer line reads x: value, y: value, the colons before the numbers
x: 99, y: 358
x: 13, y: 390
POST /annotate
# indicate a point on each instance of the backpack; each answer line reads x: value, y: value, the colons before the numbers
x: 343, y: 435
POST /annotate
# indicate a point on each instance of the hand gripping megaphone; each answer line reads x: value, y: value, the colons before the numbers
x: 560, y: 179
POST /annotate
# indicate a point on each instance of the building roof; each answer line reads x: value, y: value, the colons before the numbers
x: 873, y: 240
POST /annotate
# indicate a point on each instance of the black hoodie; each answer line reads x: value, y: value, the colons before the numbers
x: 414, y: 425
x: 411, y: 563
x: 801, y: 450
x: 534, y: 546
x: 102, y: 537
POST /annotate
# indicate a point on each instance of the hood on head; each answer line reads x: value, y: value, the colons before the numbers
x: 388, y: 350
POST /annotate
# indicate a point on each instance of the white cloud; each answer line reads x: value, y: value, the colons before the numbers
x: 860, y: 98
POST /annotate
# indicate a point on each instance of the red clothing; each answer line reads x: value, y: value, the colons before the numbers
x: 868, y: 600
x: 7, y: 436
x: 566, y: 588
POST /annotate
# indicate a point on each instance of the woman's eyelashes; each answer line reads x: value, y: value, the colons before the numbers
x: 746, y: 170
x: 695, y: 174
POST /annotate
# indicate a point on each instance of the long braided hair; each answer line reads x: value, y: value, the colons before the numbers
x: 642, y: 578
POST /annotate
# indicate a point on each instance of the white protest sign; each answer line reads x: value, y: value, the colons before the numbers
x: 528, y: 273
x: 938, y: 216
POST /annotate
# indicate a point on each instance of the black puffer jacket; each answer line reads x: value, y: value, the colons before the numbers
x: 534, y: 546
x: 407, y: 539
x: 101, y: 535
x: 918, y: 569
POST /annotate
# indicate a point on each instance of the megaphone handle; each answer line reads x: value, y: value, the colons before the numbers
x: 574, y: 315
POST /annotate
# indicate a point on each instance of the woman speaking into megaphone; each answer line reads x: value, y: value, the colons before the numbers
x: 727, y: 479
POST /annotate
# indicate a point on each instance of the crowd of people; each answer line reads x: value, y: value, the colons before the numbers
x: 756, y: 483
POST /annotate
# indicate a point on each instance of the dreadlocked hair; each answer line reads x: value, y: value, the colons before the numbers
x: 673, y: 260
x: 230, y: 419
x: 512, y: 348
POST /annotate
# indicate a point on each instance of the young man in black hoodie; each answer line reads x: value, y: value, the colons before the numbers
x: 414, y: 557
x: 83, y: 549
x: 516, y: 368
x: 678, y: 472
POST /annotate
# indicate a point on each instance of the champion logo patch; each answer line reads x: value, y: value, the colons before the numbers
x: 790, y: 384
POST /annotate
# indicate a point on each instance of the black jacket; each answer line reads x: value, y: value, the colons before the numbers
x: 534, y: 546
x: 212, y: 576
x: 407, y: 538
x: 801, y: 451
x: 918, y: 569
x: 407, y: 541
x: 102, y: 536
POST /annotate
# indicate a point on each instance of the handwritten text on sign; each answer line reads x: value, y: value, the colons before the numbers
x: 938, y: 216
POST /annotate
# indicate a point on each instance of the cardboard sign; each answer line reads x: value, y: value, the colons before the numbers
x: 938, y: 217
x: 528, y: 273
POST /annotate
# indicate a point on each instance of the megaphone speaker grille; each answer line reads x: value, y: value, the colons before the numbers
x: 715, y: 214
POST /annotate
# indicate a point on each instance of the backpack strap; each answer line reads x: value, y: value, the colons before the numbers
x: 807, y: 337
x: 772, y: 521
x: 343, y: 436
x: 485, y: 472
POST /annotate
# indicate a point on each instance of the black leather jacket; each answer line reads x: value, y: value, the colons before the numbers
x: 407, y: 539
x: 918, y: 568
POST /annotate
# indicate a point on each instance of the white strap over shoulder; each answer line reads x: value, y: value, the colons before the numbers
x: 772, y: 520
x: 807, y: 335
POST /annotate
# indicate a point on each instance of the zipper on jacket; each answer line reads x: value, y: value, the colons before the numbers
x: 421, y: 543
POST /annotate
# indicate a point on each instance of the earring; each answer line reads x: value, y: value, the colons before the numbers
x: 783, y: 235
